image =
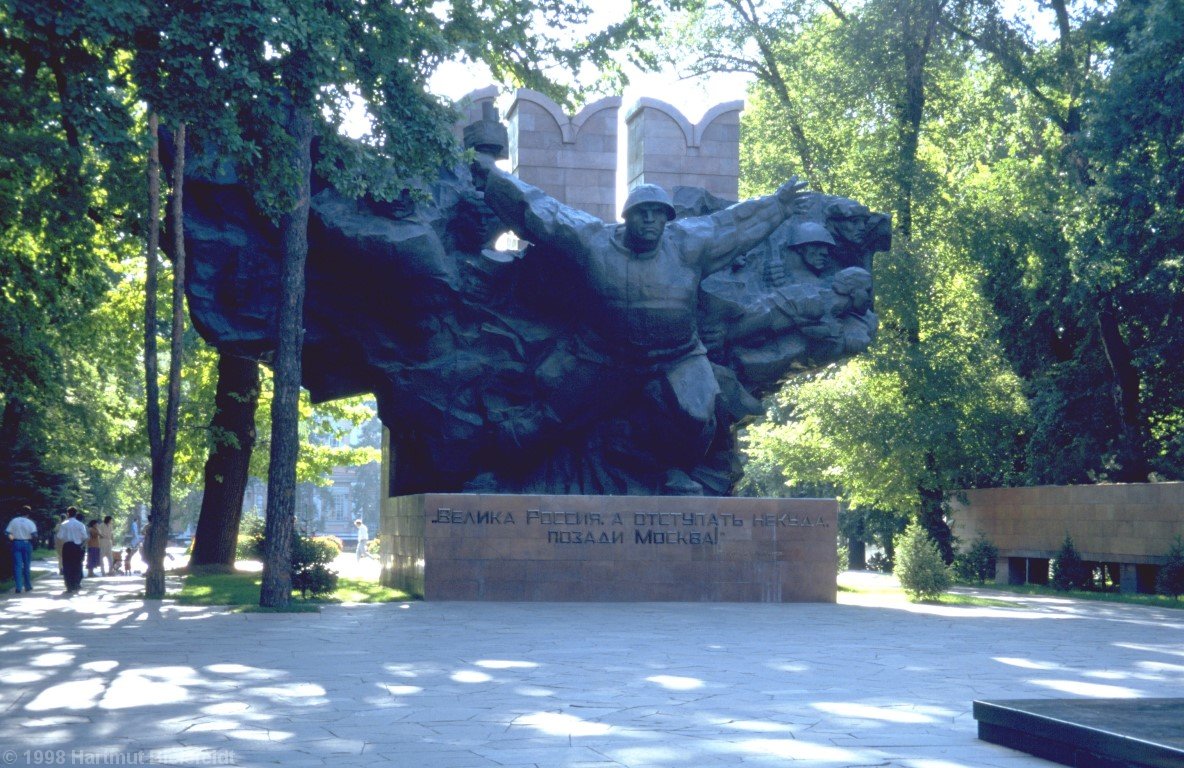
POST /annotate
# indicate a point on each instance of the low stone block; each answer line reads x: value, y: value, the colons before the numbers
x: 611, y: 548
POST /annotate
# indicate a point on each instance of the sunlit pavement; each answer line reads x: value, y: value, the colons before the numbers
x: 102, y: 678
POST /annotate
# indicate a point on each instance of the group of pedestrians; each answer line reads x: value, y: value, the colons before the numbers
x: 77, y: 544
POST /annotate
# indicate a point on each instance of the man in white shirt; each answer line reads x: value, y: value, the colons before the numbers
x: 73, y: 534
x: 363, y: 540
x: 21, y: 532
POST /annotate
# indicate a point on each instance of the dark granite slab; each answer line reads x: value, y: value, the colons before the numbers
x: 1088, y: 733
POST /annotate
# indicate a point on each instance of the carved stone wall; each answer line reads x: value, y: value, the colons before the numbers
x: 571, y: 158
x: 1132, y: 525
x: 575, y: 158
x: 666, y: 149
x: 471, y: 108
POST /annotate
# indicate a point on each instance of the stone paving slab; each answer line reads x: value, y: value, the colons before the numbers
x: 103, y: 678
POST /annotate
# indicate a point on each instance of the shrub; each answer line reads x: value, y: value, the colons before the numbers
x: 316, y: 579
x: 309, y: 560
x: 250, y: 538
x: 1171, y: 576
x: 309, y: 557
x: 978, y: 562
x: 879, y: 562
x: 374, y: 547
x: 1069, y: 571
x: 844, y: 558
x: 922, y: 573
x: 337, y: 543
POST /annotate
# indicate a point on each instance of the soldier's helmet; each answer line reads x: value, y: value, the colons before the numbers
x: 649, y: 193
x: 809, y: 232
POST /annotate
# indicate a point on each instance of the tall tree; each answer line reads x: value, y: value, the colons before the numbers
x: 1131, y: 253
x: 929, y: 408
x: 162, y: 436
x: 264, y: 80
x: 1068, y: 74
x: 67, y: 220
x: 232, y: 438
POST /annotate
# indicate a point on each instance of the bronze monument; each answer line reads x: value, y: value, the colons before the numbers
x: 600, y: 358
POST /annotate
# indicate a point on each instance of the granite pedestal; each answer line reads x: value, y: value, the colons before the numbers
x: 610, y: 548
x: 1088, y: 733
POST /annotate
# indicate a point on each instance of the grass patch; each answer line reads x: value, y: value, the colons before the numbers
x: 953, y: 598
x: 946, y: 599
x: 237, y: 588
x: 242, y: 589
x: 296, y: 606
x: 361, y: 591
x: 1036, y: 590
x: 1033, y: 590
x: 862, y: 590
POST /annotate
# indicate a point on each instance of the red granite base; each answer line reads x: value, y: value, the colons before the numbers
x: 610, y: 548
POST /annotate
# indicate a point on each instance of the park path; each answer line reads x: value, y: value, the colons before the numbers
x: 102, y: 678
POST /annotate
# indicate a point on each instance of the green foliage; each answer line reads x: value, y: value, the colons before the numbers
x: 842, y: 563
x: 922, y: 573
x: 1069, y: 571
x: 69, y: 179
x: 1129, y: 245
x: 310, y: 558
x: 242, y: 589
x: 250, y: 538
x: 237, y: 70
x: 1171, y: 574
x: 314, y: 579
x: 977, y: 563
x: 933, y: 405
x: 332, y: 541
x: 1016, y: 231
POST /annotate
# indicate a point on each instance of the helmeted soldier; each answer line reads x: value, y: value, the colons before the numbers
x: 638, y: 314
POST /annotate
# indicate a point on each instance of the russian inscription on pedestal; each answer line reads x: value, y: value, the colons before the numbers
x: 610, y: 548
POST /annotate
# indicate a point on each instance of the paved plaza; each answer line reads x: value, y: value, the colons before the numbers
x: 104, y: 679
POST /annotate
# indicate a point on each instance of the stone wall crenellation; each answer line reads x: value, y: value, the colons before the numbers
x: 575, y: 158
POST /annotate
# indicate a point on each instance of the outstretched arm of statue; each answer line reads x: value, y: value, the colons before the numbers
x: 741, y: 226
x: 536, y: 216
x: 793, y: 307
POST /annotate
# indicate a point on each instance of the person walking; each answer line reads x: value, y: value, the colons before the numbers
x: 363, y: 540
x: 74, y: 536
x: 107, y: 545
x: 93, y: 549
x: 21, y: 531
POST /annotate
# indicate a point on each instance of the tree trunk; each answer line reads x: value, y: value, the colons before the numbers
x: 856, y: 554
x: 1131, y: 440
x: 232, y: 440
x: 933, y: 511
x: 10, y: 425
x: 158, y: 505
x: 164, y: 449
x: 276, y: 591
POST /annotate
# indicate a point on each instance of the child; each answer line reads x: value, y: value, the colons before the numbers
x: 116, y: 561
x: 93, y: 551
